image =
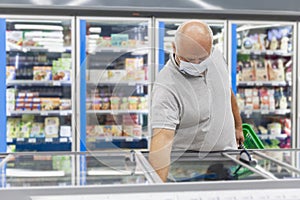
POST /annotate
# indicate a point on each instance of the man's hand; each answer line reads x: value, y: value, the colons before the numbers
x: 239, y: 136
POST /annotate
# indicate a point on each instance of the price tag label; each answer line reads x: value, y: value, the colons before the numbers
x: 108, y: 139
x: 64, y: 113
x: 20, y: 139
x: 44, y: 113
x: 129, y: 139
x: 56, y: 83
x: 9, y: 140
x: 63, y: 140
x: 265, y: 112
x: 259, y: 83
x: 131, y: 83
x: 32, y: 140
x: 8, y: 114
x: 275, y: 83
x: 49, y: 140
x: 250, y: 83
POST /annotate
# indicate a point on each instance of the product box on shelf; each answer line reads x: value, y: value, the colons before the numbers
x: 119, y: 40
x: 37, y: 130
x: 51, y: 127
x: 10, y: 73
x: 14, y: 38
x: 65, y: 131
x: 42, y: 73
x: 248, y: 71
x: 96, y: 76
x: 61, y: 69
x: 50, y: 103
x: 261, y: 70
x: 116, y: 75
x: 104, y: 41
x: 133, y: 67
x: 276, y: 70
x: 65, y: 104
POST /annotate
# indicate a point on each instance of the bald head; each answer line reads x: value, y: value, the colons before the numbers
x: 193, y: 40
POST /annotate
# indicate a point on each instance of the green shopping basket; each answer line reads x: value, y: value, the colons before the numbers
x: 251, y: 141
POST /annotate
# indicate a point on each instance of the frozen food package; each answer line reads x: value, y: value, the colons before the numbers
x: 51, y: 127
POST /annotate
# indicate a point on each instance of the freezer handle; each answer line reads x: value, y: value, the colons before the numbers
x: 265, y: 175
x: 290, y: 167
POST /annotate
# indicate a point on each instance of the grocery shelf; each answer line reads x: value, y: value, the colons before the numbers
x: 40, y: 112
x: 130, y: 83
x: 119, y: 49
x: 35, y: 82
x: 265, y: 137
x: 118, y: 142
x: 267, y: 112
x: 116, y: 138
x: 268, y: 52
x: 263, y: 83
x: 116, y: 112
x: 39, y: 49
x: 40, y: 144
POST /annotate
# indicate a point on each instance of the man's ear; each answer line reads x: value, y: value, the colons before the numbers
x: 173, y: 47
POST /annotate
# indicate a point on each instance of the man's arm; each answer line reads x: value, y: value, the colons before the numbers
x: 160, y: 151
x: 237, y: 120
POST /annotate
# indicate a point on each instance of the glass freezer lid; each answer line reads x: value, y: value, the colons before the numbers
x: 232, y: 165
x: 70, y: 169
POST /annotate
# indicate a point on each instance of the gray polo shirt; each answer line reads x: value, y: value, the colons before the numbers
x: 197, y: 108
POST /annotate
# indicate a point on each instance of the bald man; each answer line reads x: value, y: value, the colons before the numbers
x: 193, y: 106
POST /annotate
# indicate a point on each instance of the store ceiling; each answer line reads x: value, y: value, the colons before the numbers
x: 163, y: 5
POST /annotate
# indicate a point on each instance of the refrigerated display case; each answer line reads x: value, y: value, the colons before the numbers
x: 263, y: 60
x: 122, y: 174
x: 39, y: 69
x: 115, y: 74
x: 166, y: 29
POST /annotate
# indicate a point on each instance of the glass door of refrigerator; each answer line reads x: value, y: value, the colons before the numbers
x: 166, y: 29
x: 39, y: 83
x: 118, y: 73
x: 263, y: 66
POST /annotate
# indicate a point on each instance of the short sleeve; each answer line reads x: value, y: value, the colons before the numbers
x: 165, y: 108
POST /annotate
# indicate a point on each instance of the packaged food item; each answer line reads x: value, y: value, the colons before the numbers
x: 95, y: 76
x: 114, y: 103
x: 62, y: 163
x: 10, y: 73
x: 276, y: 70
x: 248, y: 71
x: 11, y: 94
x: 116, y: 75
x: 14, y: 38
x: 133, y: 103
x: 10, y: 106
x: 124, y: 104
x: 61, y: 69
x: 42, y: 73
x: 128, y: 130
x: 65, y: 131
x: 12, y: 127
x: 274, y: 128
x: 140, y: 75
x: 255, y: 99
x: 117, y: 130
x: 137, y: 130
x: 119, y: 40
x: 264, y: 99
x: 99, y: 131
x: 51, y: 127
x: 37, y: 130
x: 132, y: 65
x: 50, y: 103
x: 65, y: 104
x: 104, y: 41
x: 142, y: 103
x: 105, y: 104
x: 107, y: 129
x: 25, y: 129
x: 97, y: 104
x: 261, y: 70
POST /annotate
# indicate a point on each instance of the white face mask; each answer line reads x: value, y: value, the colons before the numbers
x: 194, y: 69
